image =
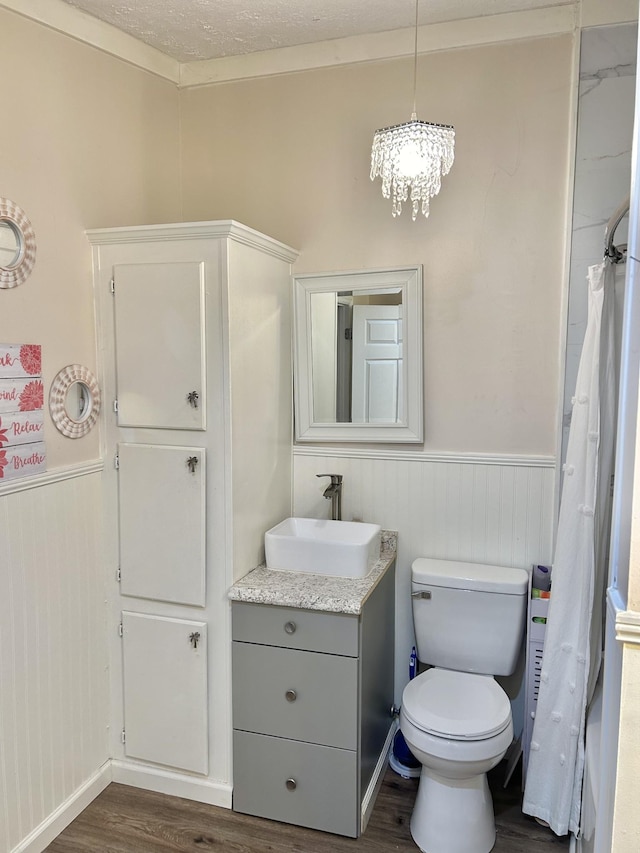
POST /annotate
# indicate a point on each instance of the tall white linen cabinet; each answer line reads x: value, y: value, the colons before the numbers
x: 194, y: 325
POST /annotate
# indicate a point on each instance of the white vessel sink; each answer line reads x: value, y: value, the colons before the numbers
x: 346, y: 549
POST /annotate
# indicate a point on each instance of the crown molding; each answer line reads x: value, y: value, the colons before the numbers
x: 374, y: 47
x: 595, y: 13
x: 225, y: 228
x: 85, y: 28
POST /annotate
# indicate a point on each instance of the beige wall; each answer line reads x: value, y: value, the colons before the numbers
x: 95, y: 142
x: 290, y: 155
x: 86, y: 141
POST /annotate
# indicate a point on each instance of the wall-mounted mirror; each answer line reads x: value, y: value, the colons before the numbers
x: 358, y: 356
x: 74, y: 401
x: 17, y: 244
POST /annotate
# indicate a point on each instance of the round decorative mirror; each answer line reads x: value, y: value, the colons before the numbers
x: 74, y: 401
x: 10, y: 245
x: 17, y: 244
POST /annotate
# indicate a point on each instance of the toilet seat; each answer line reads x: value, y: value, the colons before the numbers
x: 456, y: 705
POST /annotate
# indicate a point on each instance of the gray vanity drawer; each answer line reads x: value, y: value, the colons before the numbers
x: 325, y: 795
x: 322, y: 691
x: 313, y: 630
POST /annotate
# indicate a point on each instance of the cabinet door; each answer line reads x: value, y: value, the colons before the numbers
x: 165, y: 691
x: 162, y: 522
x: 160, y: 345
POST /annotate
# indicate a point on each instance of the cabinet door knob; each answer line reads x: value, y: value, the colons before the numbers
x: 290, y: 627
x: 291, y: 784
x: 291, y: 695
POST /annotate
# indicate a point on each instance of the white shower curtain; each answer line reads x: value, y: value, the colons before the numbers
x: 572, y: 649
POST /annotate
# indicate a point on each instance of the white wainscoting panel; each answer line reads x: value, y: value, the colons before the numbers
x: 54, y: 689
x: 497, y: 511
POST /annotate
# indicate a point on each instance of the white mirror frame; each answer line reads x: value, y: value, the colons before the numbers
x: 20, y: 270
x: 408, y: 280
x: 71, y: 427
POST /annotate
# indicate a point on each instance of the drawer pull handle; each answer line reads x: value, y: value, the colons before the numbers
x: 291, y: 784
x: 291, y: 695
x: 290, y: 627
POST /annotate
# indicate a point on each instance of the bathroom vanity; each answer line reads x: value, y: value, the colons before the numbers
x: 313, y: 693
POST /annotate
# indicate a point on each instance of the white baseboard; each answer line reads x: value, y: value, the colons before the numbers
x: 169, y: 782
x: 369, y: 799
x: 39, y: 838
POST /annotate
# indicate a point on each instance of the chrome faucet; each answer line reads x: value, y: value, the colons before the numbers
x: 333, y: 492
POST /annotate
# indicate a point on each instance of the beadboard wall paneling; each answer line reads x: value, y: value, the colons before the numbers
x: 498, y: 512
x: 54, y: 698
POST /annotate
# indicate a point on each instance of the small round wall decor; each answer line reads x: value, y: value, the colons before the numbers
x: 74, y: 401
x: 17, y: 245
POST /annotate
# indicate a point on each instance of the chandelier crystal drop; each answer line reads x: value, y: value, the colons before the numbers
x: 411, y: 159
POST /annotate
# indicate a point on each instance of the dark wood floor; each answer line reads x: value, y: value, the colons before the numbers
x: 129, y: 820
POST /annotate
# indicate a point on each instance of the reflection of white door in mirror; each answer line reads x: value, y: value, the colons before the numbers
x: 377, y: 364
x: 358, y: 356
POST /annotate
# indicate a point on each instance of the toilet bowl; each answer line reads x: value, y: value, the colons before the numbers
x: 458, y: 725
x: 455, y: 718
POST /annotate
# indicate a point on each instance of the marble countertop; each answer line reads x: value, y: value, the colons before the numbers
x: 315, y: 592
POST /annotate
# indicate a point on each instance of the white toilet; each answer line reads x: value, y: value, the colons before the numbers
x: 469, y: 621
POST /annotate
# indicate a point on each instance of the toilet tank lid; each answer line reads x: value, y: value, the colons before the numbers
x: 473, y: 576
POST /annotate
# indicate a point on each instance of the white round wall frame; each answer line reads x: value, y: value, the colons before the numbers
x: 74, y: 401
x: 17, y: 245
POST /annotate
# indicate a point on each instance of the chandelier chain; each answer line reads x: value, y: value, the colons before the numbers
x: 415, y: 65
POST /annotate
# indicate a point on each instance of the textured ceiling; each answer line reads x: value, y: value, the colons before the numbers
x: 190, y: 30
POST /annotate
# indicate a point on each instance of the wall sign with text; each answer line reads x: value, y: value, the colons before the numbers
x: 22, y: 448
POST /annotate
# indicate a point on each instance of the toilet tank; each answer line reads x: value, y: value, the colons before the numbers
x: 468, y: 617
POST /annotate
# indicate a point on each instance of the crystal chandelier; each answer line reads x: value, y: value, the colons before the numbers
x: 412, y: 158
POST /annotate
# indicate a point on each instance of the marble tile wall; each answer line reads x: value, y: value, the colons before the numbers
x: 602, y: 172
